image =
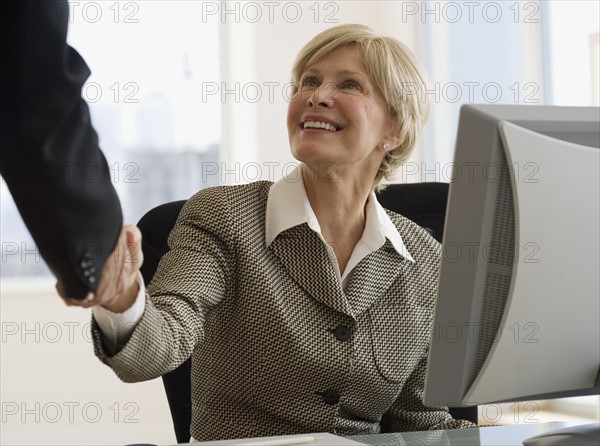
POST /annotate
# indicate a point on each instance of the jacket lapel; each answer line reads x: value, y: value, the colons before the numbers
x: 302, y: 253
x: 373, y: 276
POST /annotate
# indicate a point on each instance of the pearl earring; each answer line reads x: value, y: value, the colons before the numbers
x: 386, y: 146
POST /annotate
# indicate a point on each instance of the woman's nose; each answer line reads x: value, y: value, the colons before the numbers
x: 322, y: 96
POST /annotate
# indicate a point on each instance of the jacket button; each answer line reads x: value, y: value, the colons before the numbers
x: 342, y: 333
x: 330, y: 396
x: 86, y: 261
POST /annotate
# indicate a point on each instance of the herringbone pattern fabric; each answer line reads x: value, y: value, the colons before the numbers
x: 260, y: 323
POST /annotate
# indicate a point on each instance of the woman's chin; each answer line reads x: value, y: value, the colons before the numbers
x: 314, y: 155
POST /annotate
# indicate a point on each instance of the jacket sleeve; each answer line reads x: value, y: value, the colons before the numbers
x: 195, y: 275
x: 49, y: 152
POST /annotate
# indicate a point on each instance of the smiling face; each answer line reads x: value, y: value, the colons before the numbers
x: 338, y: 115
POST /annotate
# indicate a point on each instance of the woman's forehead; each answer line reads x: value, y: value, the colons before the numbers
x: 346, y: 60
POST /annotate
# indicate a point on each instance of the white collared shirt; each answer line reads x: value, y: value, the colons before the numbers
x: 287, y: 206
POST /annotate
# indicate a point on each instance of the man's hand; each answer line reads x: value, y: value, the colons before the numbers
x: 118, y: 286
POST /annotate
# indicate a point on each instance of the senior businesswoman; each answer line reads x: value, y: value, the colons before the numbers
x: 305, y: 305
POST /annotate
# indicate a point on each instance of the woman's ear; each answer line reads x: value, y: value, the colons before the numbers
x: 394, y: 137
x: 390, y: 143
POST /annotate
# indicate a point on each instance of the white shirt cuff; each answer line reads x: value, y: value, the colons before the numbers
x: 117, y: 327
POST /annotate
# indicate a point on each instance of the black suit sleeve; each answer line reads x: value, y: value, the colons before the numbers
x: 49, y: 153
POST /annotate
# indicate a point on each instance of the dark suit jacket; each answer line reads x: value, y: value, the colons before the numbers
x: 277, y: 346
x: 49, y: 154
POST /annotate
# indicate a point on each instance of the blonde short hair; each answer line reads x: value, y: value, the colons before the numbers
x: 393, y: 69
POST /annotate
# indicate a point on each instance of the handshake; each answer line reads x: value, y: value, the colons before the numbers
x: 118, y: 285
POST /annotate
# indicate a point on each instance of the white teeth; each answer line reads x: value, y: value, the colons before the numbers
x: 319, y: 125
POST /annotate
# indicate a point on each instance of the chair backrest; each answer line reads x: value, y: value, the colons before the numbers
x: 156, y: 226
x: 423, y: 203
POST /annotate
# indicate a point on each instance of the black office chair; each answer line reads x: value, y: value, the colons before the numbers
x: 423, y: 203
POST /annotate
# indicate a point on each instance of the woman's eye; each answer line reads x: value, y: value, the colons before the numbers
x: 309, y: 82
x: 351, y: 85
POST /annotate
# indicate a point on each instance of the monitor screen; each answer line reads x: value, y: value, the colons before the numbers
x: 518, y: 309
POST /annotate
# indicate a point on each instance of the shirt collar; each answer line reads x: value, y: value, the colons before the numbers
x: 288, y: 206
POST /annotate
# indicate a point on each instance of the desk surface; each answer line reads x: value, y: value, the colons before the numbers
x: 482, y: 436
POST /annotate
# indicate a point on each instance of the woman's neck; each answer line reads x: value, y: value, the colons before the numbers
x: 338, y: 201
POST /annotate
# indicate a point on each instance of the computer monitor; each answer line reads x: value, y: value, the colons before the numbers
x: 518, y: 309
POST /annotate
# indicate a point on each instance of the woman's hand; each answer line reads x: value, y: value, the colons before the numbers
x: 118, y: 286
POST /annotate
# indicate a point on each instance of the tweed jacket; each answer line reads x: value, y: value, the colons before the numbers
x: 277, y: 346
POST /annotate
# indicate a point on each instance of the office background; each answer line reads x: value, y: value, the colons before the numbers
x: 192, y: 94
